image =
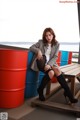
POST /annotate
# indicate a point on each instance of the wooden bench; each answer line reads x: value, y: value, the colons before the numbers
x: 71, y: 72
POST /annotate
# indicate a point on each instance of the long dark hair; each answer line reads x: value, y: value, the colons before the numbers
x: 54, y: 41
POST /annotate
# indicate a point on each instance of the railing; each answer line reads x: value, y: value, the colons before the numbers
x: 75, y: 56
x: 67, y: 57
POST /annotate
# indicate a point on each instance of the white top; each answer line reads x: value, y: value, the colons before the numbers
x: 48, y: 52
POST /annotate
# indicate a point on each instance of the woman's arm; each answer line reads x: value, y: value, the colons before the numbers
x: 36, y: 49
x: 52, y: 61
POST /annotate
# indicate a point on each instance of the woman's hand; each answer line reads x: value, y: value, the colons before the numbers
x: 47, y: 67
x: 39, y: 55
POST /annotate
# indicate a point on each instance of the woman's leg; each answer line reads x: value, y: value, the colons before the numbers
x: 47, y: 77
x: 40, y: 90
x: 64, y: 84
x: 41, y: 63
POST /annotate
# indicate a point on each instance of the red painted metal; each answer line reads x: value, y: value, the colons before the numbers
x: 70, y: 58
x: 13, y: 66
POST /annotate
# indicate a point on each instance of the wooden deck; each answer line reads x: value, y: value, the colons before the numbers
x: 71, y: 72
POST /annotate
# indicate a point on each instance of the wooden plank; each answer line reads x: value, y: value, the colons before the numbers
x: 69, y: 68
x: 72, y: 64
x: 73, y: 72
x: 72, y: 69
x: 52, y: 91
x: 78, y: 78
x: 73, y: 85
x: 78, y: 94
x: 52, y: 105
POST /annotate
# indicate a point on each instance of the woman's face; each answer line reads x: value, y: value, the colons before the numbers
x: 49, y: 37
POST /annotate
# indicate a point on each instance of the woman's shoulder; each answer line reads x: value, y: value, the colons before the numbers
x: 40, y: 41
x: 57, y: 43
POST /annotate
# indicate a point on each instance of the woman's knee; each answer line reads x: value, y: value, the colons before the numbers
x: 51, y: 74
x: 57, y: 71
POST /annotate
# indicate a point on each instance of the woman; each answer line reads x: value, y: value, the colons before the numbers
x: 46, y: 53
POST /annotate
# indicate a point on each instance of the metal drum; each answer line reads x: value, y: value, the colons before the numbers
x: 13, y: 66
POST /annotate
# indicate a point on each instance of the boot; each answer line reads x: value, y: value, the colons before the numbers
x: 67, y: 91
x: 44, y: 82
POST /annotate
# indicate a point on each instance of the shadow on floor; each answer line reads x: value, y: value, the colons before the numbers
x: 45, y: 114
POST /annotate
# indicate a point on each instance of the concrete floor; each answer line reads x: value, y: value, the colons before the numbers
x: 27, y: 112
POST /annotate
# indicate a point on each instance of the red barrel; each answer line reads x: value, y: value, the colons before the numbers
x: 13, y: 66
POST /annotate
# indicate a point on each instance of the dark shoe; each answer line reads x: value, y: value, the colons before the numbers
x: 72, y: 100
x: 41, y: 96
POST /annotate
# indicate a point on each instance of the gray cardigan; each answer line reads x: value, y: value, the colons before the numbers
x: 40, y: 46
